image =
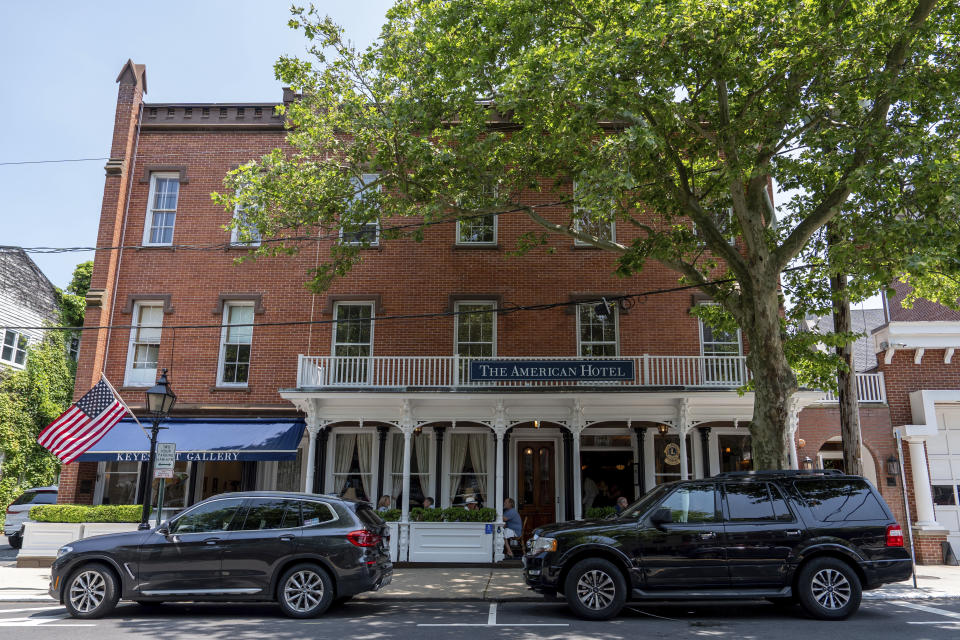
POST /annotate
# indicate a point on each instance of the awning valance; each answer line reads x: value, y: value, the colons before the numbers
x: 203, y: 439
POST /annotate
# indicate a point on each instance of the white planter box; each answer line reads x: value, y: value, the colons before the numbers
x: 452, y: 541
x: 42, y: 539
x: 100, y: 528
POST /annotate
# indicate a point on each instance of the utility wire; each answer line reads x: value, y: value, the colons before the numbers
x: 50, y: 161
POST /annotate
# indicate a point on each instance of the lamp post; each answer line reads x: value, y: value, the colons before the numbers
x: 160, y: 400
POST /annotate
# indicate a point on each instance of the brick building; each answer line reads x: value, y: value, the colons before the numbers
x: 334, y: 393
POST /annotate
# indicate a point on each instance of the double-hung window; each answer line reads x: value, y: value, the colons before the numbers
x: 587, y: 222
x: 14, y: 349
x: 144, y: 348
x: 352, y: 341
x: 716, y: 345
x: 596, y: 337
x: 366, y: 233
x: 476, y: 333
x: 161, y: 208
x: 235, y: 340
x: 477, y: 230
x: 243, y: 231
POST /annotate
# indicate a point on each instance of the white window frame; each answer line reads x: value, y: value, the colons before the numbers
x: 481, y: 243
x: 578, y: 215
x: 138, y: 377
x: 235, y: 240
x: 148, y: 221
x: 351, y: 303
x: 616, y: 330
x: 702, y: 343
x: 367, y: 178
x: 221, y: 361
x: 15, y: 348
x: 458, y: 317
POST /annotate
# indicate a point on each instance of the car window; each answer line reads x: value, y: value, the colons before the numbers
x: 840, y: 499
x: 210, y: 516
x: 24, y: 498
x: 640, y: 507
x: 44, y: 497
x: 369, y: 516
x: 291, y: 517
x: 692, y: 504
x: 264, y: 513
x: 315, y: 513
x: 754, y: 501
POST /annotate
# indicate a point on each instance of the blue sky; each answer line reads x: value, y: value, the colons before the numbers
x: 58, y: 96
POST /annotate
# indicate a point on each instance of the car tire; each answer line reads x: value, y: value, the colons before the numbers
x: 828, y: 589
x: 595, y: 589
x: 15, y: 540
x: 305, y: 591
x: 91, y: 592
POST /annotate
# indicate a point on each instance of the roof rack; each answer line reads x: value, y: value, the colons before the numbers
x: 781, y: 472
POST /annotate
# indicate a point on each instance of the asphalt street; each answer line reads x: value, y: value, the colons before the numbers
x: 526, y: 621
x: 7, y: 553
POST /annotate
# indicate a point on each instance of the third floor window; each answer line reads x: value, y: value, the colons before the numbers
x: 161, y: 208
x: 596, y: 337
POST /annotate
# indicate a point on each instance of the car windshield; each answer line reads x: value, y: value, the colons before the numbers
x: 646, y: 501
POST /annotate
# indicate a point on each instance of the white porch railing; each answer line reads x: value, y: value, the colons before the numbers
x: 403, y: 372
x: 870, y: 388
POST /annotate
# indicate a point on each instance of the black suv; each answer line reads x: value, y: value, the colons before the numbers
x: 818, y: 538
x: 301, y: 550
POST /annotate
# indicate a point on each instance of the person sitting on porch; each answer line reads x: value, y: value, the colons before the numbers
x: 621, y: 504
x: 514, y: 526
x: 428, y: 503
x: 470, y: 504
x: 384, y: 503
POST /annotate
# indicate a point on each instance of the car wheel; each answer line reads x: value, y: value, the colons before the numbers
x: 91, y: 592
x: 305, y: 591
x: 828, y: 589
x: 15, y: 540
x: 595, y: 589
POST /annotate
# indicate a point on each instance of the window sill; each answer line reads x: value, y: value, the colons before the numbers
x: 135, y: 387
x: 242, y: 245
x: 243, y: 389
x: 477, y: 246
x: 588, y: 247
x: 144, y: 247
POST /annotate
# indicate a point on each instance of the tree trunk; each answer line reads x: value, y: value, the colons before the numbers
x: 773, y: 381
x: 846, y: 380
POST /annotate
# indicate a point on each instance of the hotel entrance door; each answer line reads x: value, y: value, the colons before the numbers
x: 536, y: 472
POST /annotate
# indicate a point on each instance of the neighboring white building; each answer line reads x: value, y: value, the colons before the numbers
x: 27, y: 299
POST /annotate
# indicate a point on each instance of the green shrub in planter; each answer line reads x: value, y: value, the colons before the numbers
x: 597, y: 513
x: 390, y: 515
x: 76, y: 513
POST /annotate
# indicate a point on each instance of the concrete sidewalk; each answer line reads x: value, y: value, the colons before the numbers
x: 495, y: 585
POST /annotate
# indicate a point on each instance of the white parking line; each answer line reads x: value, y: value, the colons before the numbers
x: 491, y: 622
x: 922, y: 607
x: 31, y: 609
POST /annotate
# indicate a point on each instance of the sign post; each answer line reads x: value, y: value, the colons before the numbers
x: 163, y: 469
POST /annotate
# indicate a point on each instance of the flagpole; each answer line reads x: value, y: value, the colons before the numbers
x: 120, y: 400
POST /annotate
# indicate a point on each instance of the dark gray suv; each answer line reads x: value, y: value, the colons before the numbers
x: 301, y: 550
x: 814, y: 538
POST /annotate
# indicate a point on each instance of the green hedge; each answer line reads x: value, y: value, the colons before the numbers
x: 597, y: 513
x: 451, y: 514
x: 85, y: 513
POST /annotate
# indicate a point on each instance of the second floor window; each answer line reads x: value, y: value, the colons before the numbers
x: 235, y: 342
x: 244, y: 233
x: 477, y: 230
x: 161, y: 208
x: 596, y: 337
x: 368, y: 233
x: 476, y: 329
x: 352, y: 341
x: 14, y: 349
x: 716, y: 344
x: 584, y: 221
x: 144, y: 351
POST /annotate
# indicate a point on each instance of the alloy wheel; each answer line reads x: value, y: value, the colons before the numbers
x: 303, y: 591
x: 831, y: 589
x: 87, y: 591
x: 596, y: 590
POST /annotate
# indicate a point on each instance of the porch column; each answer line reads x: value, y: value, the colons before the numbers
x: 683, y: 426
x: 793, y: 422
x: 407, y: 425
x: 568, y: 476
x: 438, y: 479
x: 499, y: 429
x: 313, y: 428
x: 320, y: 481
x: 640, y: 466
x: 381, y: 451
x: 921, y: 483
x: 705, y: 451
x: 576, y: 427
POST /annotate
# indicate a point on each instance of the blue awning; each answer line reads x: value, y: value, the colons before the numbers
x: 202, y: 439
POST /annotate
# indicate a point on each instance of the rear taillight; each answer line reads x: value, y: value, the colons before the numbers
x: 363, y: 538
x: 894, y: 536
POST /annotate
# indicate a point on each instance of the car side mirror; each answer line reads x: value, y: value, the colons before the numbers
x: 164, y: 528
x: 661, y: 516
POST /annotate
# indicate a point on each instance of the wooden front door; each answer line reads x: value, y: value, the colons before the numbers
x: 537, y: 502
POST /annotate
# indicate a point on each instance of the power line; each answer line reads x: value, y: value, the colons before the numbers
x: 51, y: 161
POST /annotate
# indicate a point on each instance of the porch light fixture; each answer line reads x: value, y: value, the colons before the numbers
x: 536, y: 424
x: 893, y: 466
x: 528, y: 451
x: 662, y: 428
x: 807, y: 463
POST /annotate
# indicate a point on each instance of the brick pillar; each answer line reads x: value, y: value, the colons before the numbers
x: 929, y: 546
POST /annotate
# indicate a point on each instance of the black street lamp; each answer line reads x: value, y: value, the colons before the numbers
x: 160, y: 400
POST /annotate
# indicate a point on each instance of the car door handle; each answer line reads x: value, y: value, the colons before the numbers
x: 793, y: 532
x: 286, y: 538
x: 211, y: 541
x: 708, y: 535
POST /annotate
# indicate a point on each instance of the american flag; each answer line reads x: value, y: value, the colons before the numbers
x: 83, y: 424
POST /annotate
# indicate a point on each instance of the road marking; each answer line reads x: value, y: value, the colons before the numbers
x: 31, y: 609
x: 492, y: 616
x: 36, y: 622
x: 922, y: 607
x: 940, y: 622
x: 491, y: 622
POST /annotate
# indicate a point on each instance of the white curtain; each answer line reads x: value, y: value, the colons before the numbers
x: 478, y: 453
x: 396, y: 465
x: 365, y: 456
x: 458, y: 453
x: 343, y: 457
x: 422, y: 449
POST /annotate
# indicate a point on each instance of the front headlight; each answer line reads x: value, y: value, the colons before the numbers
x: 539, y: 545
x: 64, y: 550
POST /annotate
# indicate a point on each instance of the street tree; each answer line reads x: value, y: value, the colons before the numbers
x: 672, y: 117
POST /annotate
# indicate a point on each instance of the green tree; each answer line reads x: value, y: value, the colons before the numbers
x: 673, y: 117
